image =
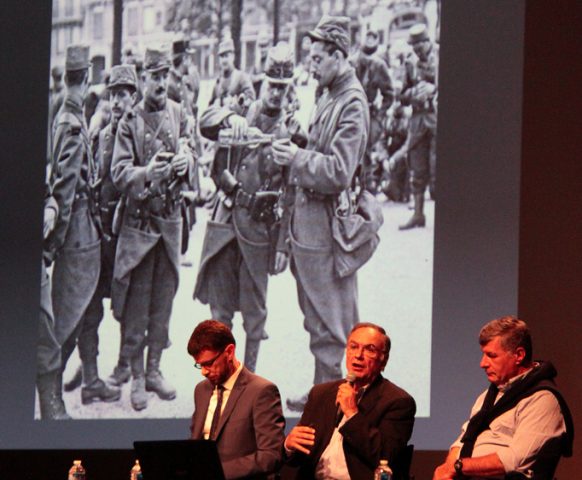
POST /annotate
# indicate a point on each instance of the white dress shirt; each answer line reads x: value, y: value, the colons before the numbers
x: 214, y: 399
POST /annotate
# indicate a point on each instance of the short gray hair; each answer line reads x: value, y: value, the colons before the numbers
x: 513, y: 332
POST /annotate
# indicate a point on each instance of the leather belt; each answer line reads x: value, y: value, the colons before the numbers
x: 309, y: 192
x: 244, y: 199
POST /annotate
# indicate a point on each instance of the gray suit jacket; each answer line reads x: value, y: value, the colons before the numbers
x: 251, y: 428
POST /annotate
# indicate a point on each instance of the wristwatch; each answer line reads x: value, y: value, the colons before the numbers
x: 459, y: 467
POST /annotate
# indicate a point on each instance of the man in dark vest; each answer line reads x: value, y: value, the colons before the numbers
x: 151, y: 164
x: 320, y: 173
x: 74, y: 244
x: 245, y: 241
x: 521, y: 425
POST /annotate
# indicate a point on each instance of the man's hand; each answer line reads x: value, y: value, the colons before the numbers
x: 293, y: 126
x: 180, y: 163
x: 300, y: 438
x: 239, y: 125
x: 346, y: 399
x: 50, y: 219
x: 444, y: 472
x: 158, y: 168
x: 284, y: 151
x: 447, y: 471
x: 425, y: 90
x: 280, y: 262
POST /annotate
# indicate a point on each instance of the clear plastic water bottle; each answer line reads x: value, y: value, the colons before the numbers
x: 135, y: 473
x: 383, y: 471
x: 77, y: 471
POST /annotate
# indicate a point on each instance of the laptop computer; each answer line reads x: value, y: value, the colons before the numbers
x: 179, y: 460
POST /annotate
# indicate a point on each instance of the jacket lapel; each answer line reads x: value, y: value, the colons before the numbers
x: 235, y: 394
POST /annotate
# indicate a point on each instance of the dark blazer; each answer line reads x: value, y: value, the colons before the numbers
x: 381, y: 428
x: 251, y: 428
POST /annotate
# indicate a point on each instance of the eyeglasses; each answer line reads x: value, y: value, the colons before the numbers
x: 208, y: 363
x: 370, y: 351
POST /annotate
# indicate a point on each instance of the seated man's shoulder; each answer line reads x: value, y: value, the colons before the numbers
x: 259, y: 383
x: 393, y: 391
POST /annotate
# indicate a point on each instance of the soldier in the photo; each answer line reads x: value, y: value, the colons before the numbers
x: 374, y: 76
x: 48, y: 352
x: 56, y: 92
x: 320, y: 173
x: 258, y: 71
x: 245, y: 238
x: 233, y: 86
x: 151, y: 165
x: 122, y: 95
x: 180, y: 88
x: 74, y: 244
x: 395, y: 182
x: 419, y: 89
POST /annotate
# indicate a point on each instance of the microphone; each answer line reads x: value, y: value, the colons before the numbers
x: 351, y: 379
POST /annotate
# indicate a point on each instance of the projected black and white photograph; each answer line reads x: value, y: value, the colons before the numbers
x: 199, y: 167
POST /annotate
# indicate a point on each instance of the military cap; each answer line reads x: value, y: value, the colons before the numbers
x: 333, y: 30
x: 417, y: 33
x: 226, y: 46
x: 279, y: 66
x: 157, y: 58
x: 57, y: 71
x: 123, y: 76
x: 181, y: 47
x: 77, y: 58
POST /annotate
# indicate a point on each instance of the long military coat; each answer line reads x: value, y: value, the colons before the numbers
x: 255, y: 170
x: 108, y: 198
x: 75, y: 241
x: 136, y: 143
x: 338, y: 133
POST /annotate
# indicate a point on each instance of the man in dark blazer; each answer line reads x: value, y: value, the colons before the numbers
x: 234, y: 407
x: 347, y: 427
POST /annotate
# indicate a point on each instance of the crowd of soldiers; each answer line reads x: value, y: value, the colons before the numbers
x: 400, y: 158
x: 123, y: 182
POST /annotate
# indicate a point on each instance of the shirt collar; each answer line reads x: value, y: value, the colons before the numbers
x: 503, y: 388
x: 75, y: 100
x: 341, y: 82
x: 229, y: 384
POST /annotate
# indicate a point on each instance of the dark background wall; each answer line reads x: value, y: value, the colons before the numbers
x: 550, y: 245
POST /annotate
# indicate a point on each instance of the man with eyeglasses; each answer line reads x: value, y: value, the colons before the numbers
x: 348, y: 426
x: 237, y: 409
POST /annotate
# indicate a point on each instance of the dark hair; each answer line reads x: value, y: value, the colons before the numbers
x: 514, y: 333
x: 378, y: 328
x: 75, y: 77
x: 331, y: 47
x: 210, y: 335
